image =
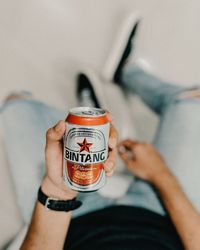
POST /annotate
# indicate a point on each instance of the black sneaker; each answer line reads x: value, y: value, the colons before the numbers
x: 85, y: 92
x: 121, y: 50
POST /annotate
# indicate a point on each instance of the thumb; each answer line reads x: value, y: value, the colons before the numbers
x: 55, y: 134
x: 126, y: 155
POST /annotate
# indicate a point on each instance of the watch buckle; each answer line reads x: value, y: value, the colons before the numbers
x: 48, y: 202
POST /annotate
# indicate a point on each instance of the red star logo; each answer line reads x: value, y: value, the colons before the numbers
x: 84, y: 145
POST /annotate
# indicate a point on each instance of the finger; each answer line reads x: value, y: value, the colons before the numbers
x: 53, y: 149
x: 55, y: 134
x: 110, y: 164
x: 113, y: 137
x: 127, y: 144
x: 128, y: 151
x: 109, y: 174
x: 109, y: 116
x: 127, y: 158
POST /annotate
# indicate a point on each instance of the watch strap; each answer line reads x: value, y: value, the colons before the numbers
x: 56, y: 204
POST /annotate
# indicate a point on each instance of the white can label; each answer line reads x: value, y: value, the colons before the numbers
x: 85, y: 149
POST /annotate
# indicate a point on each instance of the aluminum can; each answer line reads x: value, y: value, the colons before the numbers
x: 85, y: 148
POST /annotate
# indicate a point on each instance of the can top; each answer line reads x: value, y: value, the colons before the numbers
x: 87, y: 112
x: 87, y: 116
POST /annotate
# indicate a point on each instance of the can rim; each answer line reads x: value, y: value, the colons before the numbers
x: 74, y: 111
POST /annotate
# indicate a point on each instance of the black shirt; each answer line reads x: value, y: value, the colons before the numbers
x: 122, y: 228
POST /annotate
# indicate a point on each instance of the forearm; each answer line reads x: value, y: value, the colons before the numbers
x: 48, y: 229
x: 185, y: 217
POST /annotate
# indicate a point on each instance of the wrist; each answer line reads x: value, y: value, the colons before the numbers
x: 51, y: 190
x: 161, y: 177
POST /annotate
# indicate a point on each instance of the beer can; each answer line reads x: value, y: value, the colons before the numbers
x: 85, y: 148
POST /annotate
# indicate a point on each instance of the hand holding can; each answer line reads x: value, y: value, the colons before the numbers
x: 53, y: 184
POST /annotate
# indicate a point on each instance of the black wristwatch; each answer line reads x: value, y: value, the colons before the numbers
x: 58, y: 205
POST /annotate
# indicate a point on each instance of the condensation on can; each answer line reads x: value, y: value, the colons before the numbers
x: 85, y: 149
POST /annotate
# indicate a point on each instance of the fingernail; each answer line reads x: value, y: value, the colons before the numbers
x: 113, y: 142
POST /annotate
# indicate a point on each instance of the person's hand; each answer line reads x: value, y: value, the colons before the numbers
x: 53, y: 184
x: 142, y: 159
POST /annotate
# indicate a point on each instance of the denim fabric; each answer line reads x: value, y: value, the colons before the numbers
x: 24, y: 124
x: 177, y: 137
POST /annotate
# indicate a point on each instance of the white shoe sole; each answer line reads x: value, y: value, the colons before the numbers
x: 96, y: 83
x: 118, y: 47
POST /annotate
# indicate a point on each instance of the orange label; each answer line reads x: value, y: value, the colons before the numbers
x: 84, y: 174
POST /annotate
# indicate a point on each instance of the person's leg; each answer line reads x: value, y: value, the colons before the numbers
x: 177, y: 138
x: 24, y: 124
x: 153, y: 91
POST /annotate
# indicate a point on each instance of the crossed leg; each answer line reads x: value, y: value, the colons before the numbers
x: 177, y: 137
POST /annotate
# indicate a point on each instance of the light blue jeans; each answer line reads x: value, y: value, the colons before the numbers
x: 24, y: 124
